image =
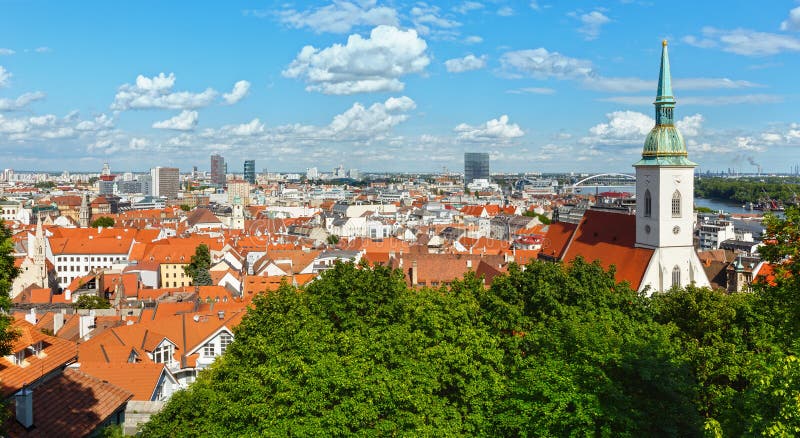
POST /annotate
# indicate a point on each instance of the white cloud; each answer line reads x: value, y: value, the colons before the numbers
x: 100, y: 123
x: 138, y: 144
x: 468, y: 6
x: 543, y: 64
x: 43, y: 49
x: 363, y: 64
x: 494, y: 131
x: 340, y: 16
x: 703, y: 43
x: 185, y: 121
x: 4, y: 51
x: 240, y: 90
x: 793, y: 22
x: 473, y: 39
x: 365, y: 122
x: 532, y: 90
x: 535, y: 5
x: 20, y: 102
x: 156, y: 92
x: 746, y: 42
x: 591, y: 23
x: 247, y: 129
x: 754, y: 99
x: 429, y: 20
x: 467, y: 63
x: 5, y: 77
x: 631, y: 127
x: 505, y: 11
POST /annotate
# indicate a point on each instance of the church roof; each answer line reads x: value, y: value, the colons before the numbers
x: 608, y: 237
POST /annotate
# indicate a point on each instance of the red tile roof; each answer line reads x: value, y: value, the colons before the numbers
x: 73, y: 404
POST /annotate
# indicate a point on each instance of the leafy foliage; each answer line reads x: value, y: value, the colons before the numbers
x: 88, y: 301
x: 548, y: 350
x: 748, y: 189
x: 8, y: 272
x: 199, y: 266
x: 103, y: 221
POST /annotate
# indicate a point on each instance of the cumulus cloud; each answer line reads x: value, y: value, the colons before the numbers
x: 468, y: 6
x: 156, y: 92
x: 46, y: 126
x: 185, y: 121
x: 240, y: 90
x: 428, y: 20
x: 793, y: 22
x: 543, y: 64
x: 745, y: 41
x: 627, y: 127
x: 364, y: 122
x: 21, y: 101
x: 591, y: 23
x: 467, y: 63
x: 363, y: 64
x: 495, y: 130
x: 5, y: 77
x: 340, y: 16
x: 99, y: 123
x: 4, y: 51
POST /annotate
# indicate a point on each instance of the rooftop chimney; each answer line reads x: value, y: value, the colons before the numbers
x: 24, y: 405
x: 58, y: 322
x: 31, y: 317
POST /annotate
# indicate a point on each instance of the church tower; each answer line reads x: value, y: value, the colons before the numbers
x: 237, y: 215
x: 665, y: 197
x: 39, y: 255
x: 85, y: 213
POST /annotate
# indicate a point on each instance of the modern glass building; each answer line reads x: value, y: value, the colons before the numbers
x: 250, y: 171
x: 218, y: 170
x: 476, y: 166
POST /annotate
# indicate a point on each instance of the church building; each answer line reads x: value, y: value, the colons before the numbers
x: 652, y: 248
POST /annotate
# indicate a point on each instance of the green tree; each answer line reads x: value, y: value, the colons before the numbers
x: 8, y: 272
x: 88, y: 301
x: 45, y: 185
x: 332, y: 239
x: 103, y: 221
x: 199, y: 266
x: 185, y: 207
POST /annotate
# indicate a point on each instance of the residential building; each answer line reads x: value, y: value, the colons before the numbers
x: 165, y: 182
x: 239, y: 188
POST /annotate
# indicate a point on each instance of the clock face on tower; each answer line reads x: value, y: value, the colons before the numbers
x: 676, y: 229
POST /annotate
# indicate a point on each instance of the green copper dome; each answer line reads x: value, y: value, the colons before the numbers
x: 664, y: 145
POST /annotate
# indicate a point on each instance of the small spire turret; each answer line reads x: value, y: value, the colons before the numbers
x: 665, y: 101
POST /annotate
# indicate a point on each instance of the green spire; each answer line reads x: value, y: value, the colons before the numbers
x: 664, y: 145
x: 664, y: 94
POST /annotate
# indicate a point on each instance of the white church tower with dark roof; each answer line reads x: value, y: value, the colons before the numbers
x: 665, y: 198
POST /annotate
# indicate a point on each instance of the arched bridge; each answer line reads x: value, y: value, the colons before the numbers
x: 608, y: 181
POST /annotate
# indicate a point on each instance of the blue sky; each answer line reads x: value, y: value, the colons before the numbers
x: 393, y: 86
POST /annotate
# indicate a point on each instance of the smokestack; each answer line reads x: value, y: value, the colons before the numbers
x: 24, y: 406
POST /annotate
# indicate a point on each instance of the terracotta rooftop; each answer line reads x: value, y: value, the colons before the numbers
x: 140, y: 379
x: 71, y: 405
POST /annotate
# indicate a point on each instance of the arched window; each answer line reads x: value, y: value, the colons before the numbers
x: 676, y: 204
x: 648, y: 203
x: 676, y: 276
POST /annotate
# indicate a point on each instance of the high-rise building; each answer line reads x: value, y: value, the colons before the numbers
x: 250, y: 171
x: 165, y: 181
x: 239, y: 189
x: 476, y: 166
x: 218, y: 169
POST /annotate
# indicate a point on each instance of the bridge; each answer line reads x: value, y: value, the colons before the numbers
x: 604, y: 182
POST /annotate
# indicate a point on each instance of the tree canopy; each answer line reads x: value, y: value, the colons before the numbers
x: 103, y: 221
x: 199, y: 266
x: 547, y: 350
x: 88, y: 301
x: 8, y: 272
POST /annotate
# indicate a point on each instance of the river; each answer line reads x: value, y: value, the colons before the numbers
x: 726, y: 206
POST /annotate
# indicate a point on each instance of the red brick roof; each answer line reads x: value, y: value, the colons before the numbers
x: 609, y: 238
x: 71, y: 405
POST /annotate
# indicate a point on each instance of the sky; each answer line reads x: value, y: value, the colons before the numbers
x: 542, y: 86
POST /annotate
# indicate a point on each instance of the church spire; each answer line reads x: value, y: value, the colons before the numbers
x: 664, y: 145
x: 665, y: 101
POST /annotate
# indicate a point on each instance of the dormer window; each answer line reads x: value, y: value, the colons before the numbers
x: 164, y: 353
x: 676, y: 204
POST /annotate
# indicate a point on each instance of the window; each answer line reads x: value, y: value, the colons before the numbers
x: 225, y: 339
x: 163, y: 354
x: 209, y: 350
x: 676, y: 204
x: 648, y: 204
x: 676, y: 276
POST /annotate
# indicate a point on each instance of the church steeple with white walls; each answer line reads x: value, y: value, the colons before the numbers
x: 665, y: 197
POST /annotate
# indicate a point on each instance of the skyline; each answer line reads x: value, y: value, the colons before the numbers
x: 392, y: 86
